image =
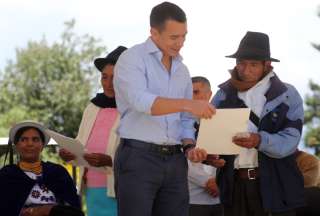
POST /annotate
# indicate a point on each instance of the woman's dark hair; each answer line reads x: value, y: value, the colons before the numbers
x: 166, y: 11
x: 22, y: 130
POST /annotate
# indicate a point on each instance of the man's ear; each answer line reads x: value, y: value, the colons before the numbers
x: 267, y: 66
x: 154, y: 33
x: 267, y: 63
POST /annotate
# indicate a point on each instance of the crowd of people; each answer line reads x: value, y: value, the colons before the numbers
x: 140, y: 135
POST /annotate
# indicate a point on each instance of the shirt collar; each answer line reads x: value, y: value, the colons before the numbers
x: 264, y: 81
x: 153, y: 49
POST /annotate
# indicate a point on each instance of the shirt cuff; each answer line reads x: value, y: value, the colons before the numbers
x: 145, y: 103
x: 263, y: 141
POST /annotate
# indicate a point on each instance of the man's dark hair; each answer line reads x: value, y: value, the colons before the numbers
x: 202, y: 80
x: 166, y: 11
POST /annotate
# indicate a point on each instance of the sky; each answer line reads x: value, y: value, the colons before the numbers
x: 215, y: 29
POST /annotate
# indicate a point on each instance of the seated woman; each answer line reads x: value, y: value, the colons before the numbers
x: 33, y: 187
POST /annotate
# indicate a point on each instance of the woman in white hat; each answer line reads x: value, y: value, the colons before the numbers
x: 33, y: 187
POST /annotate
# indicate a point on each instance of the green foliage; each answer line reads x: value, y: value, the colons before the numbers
x: 312, y: 117
x: 15, y: 114
x: 50, y: 83
x: 312, y: 112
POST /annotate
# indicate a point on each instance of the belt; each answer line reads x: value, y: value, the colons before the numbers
x: 247, y: 173
x: 152, y: 147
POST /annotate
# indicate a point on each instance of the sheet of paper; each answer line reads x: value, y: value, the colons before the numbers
x: 74, y: 146
x: 215, y: 134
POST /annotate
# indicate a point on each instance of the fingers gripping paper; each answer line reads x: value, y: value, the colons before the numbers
x: 74, y: 146
x: 215, y: 134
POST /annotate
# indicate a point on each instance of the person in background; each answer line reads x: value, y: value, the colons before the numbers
x: 264, y: 178
x: 33, y: 187
x: 309, y: 166
x: 97, y: 132
x: 154, y: 97
x: 203, y: 190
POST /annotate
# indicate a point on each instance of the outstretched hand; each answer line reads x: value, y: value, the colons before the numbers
x: 196, y: 155
x: 201, y: 109
x: 98, y: 159
x: 214, y: 160
x: 251, y: 141
x: 66, y: 155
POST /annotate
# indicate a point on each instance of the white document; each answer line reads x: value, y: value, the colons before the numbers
x: 215, y: 134
x: 74, y: 146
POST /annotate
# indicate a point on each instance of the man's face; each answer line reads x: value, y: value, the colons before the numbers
x: 170, y: 39
x: 250, y: 70
x: 107, y: 80
x: 201, y: 91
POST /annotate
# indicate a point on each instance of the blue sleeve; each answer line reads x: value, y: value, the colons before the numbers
x: 130, y: 82
x: 217, y: 98
x: 285, y: 142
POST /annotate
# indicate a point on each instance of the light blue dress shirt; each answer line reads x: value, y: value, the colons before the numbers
x: 139, y: 78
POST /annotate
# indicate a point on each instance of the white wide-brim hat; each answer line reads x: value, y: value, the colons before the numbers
x: 15, y: 128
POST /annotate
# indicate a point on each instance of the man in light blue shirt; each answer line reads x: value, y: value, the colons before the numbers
x: 154, y: 97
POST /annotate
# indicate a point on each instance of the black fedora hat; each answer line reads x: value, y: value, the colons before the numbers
x: 111, y: 58
x: 254, y: 45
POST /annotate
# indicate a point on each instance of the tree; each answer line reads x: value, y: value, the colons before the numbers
x: 312, y: 118
x: 312, y: 112
x: 50, y: 83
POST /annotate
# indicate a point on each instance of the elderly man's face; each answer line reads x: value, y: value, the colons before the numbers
x: 250, y: 70
x: 201, y: 91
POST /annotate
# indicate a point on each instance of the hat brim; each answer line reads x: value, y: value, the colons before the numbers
x: 252, y: 57
x: 100, y: 63
x: 18, y: 126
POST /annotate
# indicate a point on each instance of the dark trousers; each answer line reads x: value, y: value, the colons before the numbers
x: 150, y: 183
x: 246, y: 200
x: 205, y: 210
x: 312, y: 207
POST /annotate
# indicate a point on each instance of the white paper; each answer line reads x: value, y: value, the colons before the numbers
x: 74, y: 146
x: 215, y: 134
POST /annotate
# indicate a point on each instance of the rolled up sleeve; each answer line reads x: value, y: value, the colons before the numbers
x: 187, y: 119
x: 130, y: 83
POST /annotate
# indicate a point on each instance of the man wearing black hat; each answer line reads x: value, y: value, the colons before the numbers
x: 97, y: 132
x: 264, y: 178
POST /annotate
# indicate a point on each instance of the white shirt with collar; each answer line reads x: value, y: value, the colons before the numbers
x: 255, y: 99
